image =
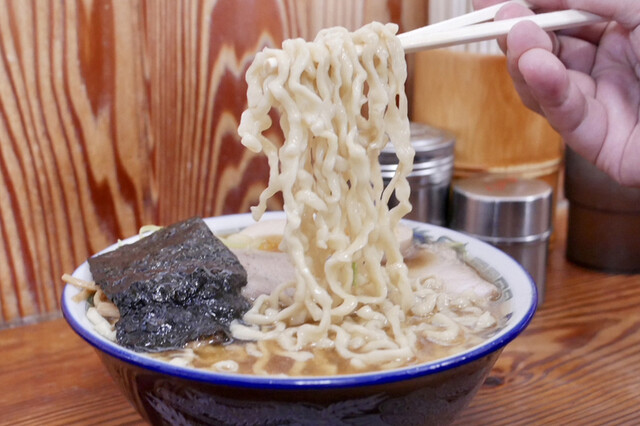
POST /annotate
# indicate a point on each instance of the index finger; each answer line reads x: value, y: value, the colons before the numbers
x: 625, y: 12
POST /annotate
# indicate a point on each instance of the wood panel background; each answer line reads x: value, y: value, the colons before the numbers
x: 119, y: 113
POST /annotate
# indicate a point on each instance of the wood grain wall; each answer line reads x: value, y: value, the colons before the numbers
x: 119, y: 113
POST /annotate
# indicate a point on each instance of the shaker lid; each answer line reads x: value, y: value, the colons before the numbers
x: 428, y: 142
x: 502, y: 208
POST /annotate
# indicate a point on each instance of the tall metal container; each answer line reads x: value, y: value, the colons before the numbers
x: 604, y: 218
x: 430, y: 179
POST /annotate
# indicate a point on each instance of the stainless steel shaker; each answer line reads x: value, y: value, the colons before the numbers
x: 514, y: 215
x: 430, y: 179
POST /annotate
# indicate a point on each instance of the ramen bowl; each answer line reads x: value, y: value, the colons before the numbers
x: 429, y: 393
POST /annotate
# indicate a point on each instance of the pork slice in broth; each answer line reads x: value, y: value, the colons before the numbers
x: 266, y: 270
x: 441, y: 261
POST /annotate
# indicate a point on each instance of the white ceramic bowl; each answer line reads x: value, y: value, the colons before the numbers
x: 429, y: 393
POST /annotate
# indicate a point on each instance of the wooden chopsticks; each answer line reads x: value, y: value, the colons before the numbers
x: 473, y: 27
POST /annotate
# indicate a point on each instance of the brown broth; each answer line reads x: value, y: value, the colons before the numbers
x: 327, y: 361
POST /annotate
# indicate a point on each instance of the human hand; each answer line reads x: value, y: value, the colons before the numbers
x: 585, y: 81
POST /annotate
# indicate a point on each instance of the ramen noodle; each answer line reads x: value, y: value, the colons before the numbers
x: 341, y: 100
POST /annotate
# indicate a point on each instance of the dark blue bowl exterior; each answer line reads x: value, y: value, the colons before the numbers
x: 433, y: 399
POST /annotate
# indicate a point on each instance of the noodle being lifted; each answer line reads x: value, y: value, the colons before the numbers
x: 341, y: 100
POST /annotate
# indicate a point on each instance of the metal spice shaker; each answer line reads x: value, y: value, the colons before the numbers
x: 514, y: 215
x: 430, y: 179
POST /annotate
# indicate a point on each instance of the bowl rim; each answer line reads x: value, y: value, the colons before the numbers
x: 238, y: 221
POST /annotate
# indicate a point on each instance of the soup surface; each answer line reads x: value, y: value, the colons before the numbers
x: 462, y: 310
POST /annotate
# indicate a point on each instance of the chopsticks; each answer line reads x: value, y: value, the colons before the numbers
x: 473, y: 27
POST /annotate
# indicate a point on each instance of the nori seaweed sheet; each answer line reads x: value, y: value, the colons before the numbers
x: 177, y: 285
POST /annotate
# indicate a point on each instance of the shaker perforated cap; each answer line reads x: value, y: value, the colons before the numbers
x: 502, y: 209
x: 434, y: 153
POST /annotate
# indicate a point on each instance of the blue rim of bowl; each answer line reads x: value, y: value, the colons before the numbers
x: 306, y: 383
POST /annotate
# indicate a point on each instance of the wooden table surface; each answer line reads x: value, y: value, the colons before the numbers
x: 577, y: 363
